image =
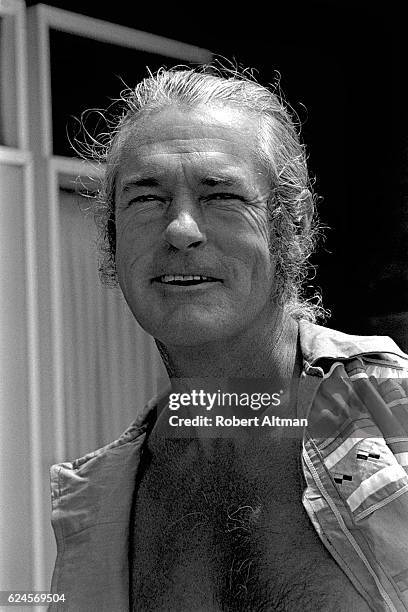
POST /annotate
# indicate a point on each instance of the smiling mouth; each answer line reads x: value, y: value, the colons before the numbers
x: 184, y: 280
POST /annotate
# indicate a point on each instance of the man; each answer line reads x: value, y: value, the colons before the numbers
x: 208, y: 212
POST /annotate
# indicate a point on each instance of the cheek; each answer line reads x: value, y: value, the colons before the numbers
x: 133, y: 244
x: 256, y: 250
x: 260, y: 234
x: 249, y: 237
x: 251, y: 220
x: 125, y: 254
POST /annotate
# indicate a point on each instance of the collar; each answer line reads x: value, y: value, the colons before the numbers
x: 319, y: 342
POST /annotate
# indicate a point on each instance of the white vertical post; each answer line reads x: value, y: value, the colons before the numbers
x: 57, y: 313
x: 33, y: 361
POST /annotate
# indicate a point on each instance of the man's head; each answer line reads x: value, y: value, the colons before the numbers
x: 205, y: 173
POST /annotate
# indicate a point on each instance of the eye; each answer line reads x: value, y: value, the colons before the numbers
x: 224, y: 196
x: 147, y: 198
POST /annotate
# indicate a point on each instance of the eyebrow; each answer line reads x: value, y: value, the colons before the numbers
x: 215, y: 181
x: 148, y: 181
x: 208, y: 181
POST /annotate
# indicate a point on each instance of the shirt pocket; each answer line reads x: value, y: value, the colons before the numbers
x: 366, y: 474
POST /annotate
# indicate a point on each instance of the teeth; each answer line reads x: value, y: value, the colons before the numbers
x: 168, y: 278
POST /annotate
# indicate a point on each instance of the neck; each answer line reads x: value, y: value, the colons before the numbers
x: 267, y: 350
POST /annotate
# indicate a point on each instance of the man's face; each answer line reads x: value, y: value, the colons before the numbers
x: 192, y: 253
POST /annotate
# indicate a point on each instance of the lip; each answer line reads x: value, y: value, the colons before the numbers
x: 157, y: 278
x: 204, y: 286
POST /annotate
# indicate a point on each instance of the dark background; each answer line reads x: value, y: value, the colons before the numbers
x: 343, y: 68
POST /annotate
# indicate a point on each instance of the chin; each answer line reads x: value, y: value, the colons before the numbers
x: 193, y: 335
x: 193, y: 332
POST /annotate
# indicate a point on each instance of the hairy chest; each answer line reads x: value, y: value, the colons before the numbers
x: 221, y: 526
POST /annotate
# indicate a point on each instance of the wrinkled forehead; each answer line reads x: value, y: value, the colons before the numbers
x: 203, y: 134
x: 197, y: 123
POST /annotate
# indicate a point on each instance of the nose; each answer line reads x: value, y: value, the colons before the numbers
x: 183, y: 230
